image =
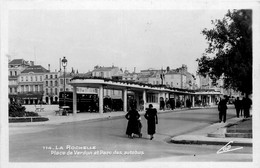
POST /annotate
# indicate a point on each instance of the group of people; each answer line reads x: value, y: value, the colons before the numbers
x: 241, y: 106
x: 134, y: 125
x: 168, y: 104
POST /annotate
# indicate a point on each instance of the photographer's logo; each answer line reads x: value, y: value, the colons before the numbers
x: 227, y: 148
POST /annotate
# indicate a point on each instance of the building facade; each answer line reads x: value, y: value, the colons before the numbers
x: 51, y: 87
x: 15, y: 67
x: 31, y: 84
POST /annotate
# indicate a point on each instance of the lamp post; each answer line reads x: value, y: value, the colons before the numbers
x: 64, y: 64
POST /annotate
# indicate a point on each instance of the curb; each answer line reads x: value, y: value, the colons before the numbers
x: 216, y: 137
x: 205, y: 142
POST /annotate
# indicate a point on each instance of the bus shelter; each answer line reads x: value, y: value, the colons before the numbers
x: 144, y: 94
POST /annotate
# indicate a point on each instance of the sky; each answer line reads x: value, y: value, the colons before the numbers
x: 124, y: 38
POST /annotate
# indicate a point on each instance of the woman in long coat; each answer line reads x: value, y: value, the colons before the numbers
x: 133, y: 123
x: 152, y: 120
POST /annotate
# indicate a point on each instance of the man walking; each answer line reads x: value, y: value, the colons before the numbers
x: 222, y: 108
x: 237, y: 106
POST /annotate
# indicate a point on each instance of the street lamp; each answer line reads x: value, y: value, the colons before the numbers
x: 64, y: 64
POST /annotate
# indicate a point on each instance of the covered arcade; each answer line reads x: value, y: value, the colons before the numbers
x: 147, y: 93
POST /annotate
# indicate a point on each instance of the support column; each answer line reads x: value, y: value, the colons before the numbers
x: 175, y: 100
x: 144, y: 98
x: 125, y: 99
x: 101, y: 98
x: 193, y: 101
x: 74, y: 100
x: 184, y: 99
x: 210, y: 99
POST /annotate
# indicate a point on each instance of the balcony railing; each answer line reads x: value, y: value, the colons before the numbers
x: 33, y: 93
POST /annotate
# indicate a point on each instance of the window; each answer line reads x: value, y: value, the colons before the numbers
x: 26, y: 78
x: 46, y: 83
x: 46, y: 91
x: 51, y: 76
x: 56, y: 91
x: 67, y: 81
x: 56, y: 76
x: 67, y: 89
x: 56, y: 83
x: 15, y: 90
x: 51, y: 83
x: 51, y: 91
x: 15, y: 73
x: 22, y: 79
x: 40, y: 78
x: 11, y: 74
x: 61, y: 81
x: 61, y: 90
x: 36, y: 88
x: 31, y: 78
x: 152, y: 98
x: 46, y: 77
x: 22, y: 88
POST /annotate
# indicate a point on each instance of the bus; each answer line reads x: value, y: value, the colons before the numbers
x: 86, y: 102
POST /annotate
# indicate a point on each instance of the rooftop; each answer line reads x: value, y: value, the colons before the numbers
x: 104, y: 69
x: 19, y: 62
x: 35, y: 69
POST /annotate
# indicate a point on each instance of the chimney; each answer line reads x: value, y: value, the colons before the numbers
x: 31, y: 63
x: 49, y: 67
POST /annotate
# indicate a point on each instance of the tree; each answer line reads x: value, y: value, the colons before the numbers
x: 230, y: 43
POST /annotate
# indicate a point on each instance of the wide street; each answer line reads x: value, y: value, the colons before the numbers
x: 105, y: 141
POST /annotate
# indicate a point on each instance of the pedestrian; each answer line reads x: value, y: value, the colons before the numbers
x: 152, y: 120
x: 237, y: 104
x: 167, y: 102
x: 247, y: 105
x: 162, y: 104
x: 222, y: 108
x: 172, y: 103
x: 133, y: 126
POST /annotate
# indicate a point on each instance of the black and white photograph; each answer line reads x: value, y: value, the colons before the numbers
x: 139, y: 84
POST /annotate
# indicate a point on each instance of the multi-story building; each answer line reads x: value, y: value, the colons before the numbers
x: 127, y: 76
x: 144, y: 76
x: 54, y: 84
x: 51, y: 87
x: 14, y: 69
x: 31, y: 83
x: 155, y: 78
x: 175, y: 79
x: 106, y: 72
